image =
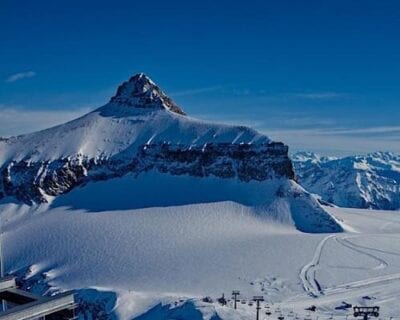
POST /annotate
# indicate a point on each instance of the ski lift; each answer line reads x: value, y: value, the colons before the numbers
x: 222, y: 300
x: 366, y: 311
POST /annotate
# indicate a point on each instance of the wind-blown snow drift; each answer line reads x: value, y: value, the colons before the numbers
x: 141, y: 132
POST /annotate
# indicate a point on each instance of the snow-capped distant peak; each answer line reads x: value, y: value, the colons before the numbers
x: 363, y: 181
x: 141, y: 92
x: 307, y: 156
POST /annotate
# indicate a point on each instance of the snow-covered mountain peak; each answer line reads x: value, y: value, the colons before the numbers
x: 141, y: 134
x: 141, y: 92
x: 305, y: 156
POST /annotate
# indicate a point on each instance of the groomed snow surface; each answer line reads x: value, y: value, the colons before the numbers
x: 177, y: 253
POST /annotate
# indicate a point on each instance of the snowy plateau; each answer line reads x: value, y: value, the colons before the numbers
x: 150, y: 214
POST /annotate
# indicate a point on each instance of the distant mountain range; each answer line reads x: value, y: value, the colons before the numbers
x: 370, y: 181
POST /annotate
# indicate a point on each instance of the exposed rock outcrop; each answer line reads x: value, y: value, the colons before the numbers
x: 32, y: 182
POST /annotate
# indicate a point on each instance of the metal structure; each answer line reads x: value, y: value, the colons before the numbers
x: 222, y: 300
x: 27, y: 306
x: 365, y: 312
x: 258, y: 299
x: 3, y: 304
x: 235, y: 294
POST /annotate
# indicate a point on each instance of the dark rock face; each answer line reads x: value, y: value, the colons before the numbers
x: 243, y: 161
x: 32, y: 182
x: 140, y: 92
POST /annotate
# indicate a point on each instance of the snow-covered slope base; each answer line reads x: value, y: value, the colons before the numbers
x: 371, y: 181
x: 162, y: 262
x: 281, y: 200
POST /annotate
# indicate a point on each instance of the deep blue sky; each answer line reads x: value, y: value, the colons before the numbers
x: 319, y: 75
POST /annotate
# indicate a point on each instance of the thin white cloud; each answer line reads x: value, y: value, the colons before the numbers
x: 332, y: 131
x: 275, y: 119
x: 190, y: 92
x: 324, y: 95
x: 301, y: 133
x: 17, y: 120
x: 367, y: 130
x: 20, y: 76
x: 335, y: 142
x: 320, y: 95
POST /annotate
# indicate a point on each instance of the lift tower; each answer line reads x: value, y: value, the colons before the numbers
x: 235, y: 294
x: 258, y: 299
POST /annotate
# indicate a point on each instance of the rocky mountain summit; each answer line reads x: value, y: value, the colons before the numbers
x: 141, y: 92
x: 139, y: 130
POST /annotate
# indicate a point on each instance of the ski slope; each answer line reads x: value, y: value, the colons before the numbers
x: 180, y: 254
x: 359, y: 267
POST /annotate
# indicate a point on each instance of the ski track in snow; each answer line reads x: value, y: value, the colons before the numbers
x: 348, y: 244
x: 374, y: 249
x: 307, y: 273
x: 352, y: 290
